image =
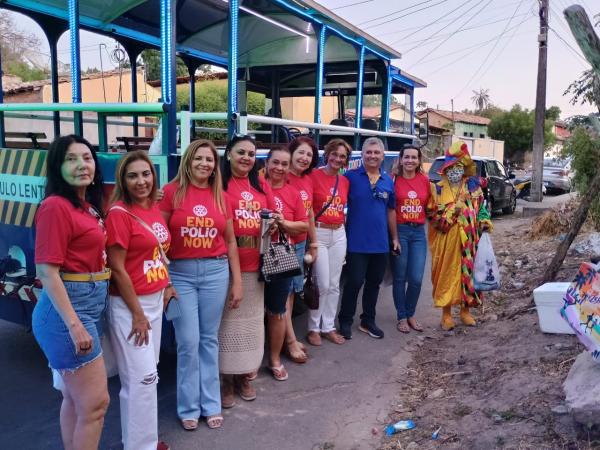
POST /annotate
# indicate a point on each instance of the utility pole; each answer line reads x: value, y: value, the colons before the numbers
x: 540, y: 105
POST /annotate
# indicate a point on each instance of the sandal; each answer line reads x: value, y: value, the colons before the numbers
x: 215, y: 421
x: 279, y: 372
x: 189, y: 424
x: 313, y: 338
x: 412, y: 322
x: 299, y: 356
x: 334, y: 336
x: 402, y: 326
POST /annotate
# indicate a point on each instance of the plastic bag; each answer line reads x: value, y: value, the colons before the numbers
x: 582, y: 308
x: 485, y: 271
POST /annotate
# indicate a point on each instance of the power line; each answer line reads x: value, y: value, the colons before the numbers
x: 479, y: 44
x: 400, y: 10
x: 568, y: 45
x: 490, y: 52
x: 352, y: 4
x: 458, y: 30
x: 434, y: 22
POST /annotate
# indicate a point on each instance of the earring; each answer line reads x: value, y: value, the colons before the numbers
x: 212, y: 175
x: 228, y: 158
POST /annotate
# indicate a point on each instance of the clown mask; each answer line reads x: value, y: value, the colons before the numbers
x: 455, y: 173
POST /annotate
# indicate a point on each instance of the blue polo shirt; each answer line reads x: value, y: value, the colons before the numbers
x: 366, y: 220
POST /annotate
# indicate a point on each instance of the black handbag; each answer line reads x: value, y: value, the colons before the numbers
x: 280, y: 260
x: 311, y: 289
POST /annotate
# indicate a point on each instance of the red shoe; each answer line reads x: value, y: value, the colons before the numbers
x: 162, y: 446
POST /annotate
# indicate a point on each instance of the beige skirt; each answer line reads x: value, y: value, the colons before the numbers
x: 242, y: 332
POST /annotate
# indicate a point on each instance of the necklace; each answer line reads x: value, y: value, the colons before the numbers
x: 241, y: 188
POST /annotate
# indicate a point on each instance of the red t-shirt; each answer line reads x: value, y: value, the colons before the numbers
x: 304, y: 184
x: 245, y: 203
x: 288, y: 202
x: 323, y: 185
x: 197, y: 226
x: 411, y: 198
x: 72, y: 238
x: 143, y: 262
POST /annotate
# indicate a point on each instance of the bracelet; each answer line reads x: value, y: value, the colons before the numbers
x: 313, y: 245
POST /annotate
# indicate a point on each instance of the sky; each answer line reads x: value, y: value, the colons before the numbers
x: 455, y: 46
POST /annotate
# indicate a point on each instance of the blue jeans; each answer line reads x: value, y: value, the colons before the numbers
x: 408, y: 269
x: 298, y: 280
x: 89, y: 300
x: 201, y: 286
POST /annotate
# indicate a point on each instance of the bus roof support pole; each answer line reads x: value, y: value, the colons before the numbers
x: 386, y: 93
x: 192, y: 67
x: 168, y: 74
x: 75, y: 63
x: 359, y: 94
x: 232, y: 66
x: 134, y: 91
x: 412, y: 111
x: 322, y: 39
x: 2, y: 128
x: 53, y: 43
x: 275, y: 104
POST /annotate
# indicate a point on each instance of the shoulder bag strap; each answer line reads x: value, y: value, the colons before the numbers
x: 163, y: 255
x: 324, y: 208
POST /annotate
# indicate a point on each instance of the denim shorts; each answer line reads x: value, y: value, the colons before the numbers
x: 298, y: 280
x: 89, y: 300
x: 276, y: 294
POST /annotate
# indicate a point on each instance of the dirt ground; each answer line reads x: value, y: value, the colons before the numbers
x: 499, y: 384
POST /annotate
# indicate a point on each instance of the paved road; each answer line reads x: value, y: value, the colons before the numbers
x: 337, y: 397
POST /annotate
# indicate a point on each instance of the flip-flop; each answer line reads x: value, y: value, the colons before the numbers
x: 402, y: 326
x: 334, y: 336
x: 415, y: 325
x: 215, y: 421
x: 279, y: 372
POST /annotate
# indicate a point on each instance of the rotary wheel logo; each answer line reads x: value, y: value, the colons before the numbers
x: 331, y: 191
x: 278, y: 204
x: 303, y: 195
x: 160, y: 231
x: 412, y: 195
x: 200, y: 210
x: 247, y: 196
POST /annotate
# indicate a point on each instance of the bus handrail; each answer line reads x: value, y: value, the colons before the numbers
x: 127, y: 108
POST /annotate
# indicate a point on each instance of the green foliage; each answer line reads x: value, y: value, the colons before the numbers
x: 211, y: 96
x: 25, y: 71
x: 586, y: 89
x: 515, y: 128
x: 583, y: 149
x: 481, y: 99
x: 553, y: 113
x: 151, y: 60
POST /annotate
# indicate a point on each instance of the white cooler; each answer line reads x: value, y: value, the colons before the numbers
x: 548, y: 301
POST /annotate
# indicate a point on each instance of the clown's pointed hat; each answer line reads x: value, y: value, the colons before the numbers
x: 458, y: 153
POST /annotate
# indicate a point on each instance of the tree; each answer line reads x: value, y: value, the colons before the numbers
x: 515, y: 128
x: 151, y: 60
x: 586, y: 89
x: 481, y: 99
x: 15, y: 44
x: 553, y: 113
x: 421, y: 105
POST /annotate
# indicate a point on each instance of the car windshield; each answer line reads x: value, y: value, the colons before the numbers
x: 555, y: 162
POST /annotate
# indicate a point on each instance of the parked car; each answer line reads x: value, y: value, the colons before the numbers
x: 557, y: 175
x: 499, y: 190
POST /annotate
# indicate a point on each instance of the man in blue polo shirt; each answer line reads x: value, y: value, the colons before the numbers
x: 370, y: 222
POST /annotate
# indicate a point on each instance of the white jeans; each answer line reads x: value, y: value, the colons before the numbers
x: 137, y: 371
x: 328, y: 268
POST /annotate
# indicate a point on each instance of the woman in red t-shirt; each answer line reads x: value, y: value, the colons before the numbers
x: 137, y: 241
x: 290, y: 216
x: 305, y: 157
x: 70, y: 263
x: 412, y: 191
x: 242, y: 334
x: 203, y: 252
x: 329, y: 203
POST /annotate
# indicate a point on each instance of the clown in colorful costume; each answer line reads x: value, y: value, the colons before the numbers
x: 457, y: 217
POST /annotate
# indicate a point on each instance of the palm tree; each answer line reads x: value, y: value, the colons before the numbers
x: 481, y: 99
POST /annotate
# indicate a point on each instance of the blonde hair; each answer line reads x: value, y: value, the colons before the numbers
x: 184, y: 174
x: 121, y: 192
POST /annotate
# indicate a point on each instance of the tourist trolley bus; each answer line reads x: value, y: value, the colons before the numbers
x: 294, y: 52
